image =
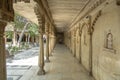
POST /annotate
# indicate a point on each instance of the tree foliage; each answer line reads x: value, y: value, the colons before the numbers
x: 9, y: 34
x: 19, y: 21
x: 33, y: 29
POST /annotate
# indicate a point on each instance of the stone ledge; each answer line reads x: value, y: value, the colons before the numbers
x: 110, y: 50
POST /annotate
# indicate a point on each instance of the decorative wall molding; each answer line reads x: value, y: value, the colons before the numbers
x: 91, y: 9
x: 96, y: 18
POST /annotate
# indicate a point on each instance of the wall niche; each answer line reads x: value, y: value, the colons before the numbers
x: 109, y: 42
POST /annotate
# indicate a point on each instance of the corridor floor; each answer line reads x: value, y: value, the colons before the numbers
x: 62, y: 66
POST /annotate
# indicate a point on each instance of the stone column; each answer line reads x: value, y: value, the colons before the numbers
x: 71, y: 41
x: 2, y: 53
x: 47, y: 44
x: 14, y: 37
x: 50, y: 45
x: 74, y: 53
x: 54, y: 42
x: 41, y: 55
x: 80, y: 33
x: 50, y: 40
x: 26, y: 38
x: 90, y: 32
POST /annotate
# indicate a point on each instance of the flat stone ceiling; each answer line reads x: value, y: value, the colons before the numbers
x: 64, y: 11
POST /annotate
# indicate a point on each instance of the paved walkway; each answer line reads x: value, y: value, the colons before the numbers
x: 62, y: 67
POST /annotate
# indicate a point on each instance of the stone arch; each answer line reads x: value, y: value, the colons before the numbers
x: 85, y: 46
x: 3, y: 22
x: 83, y: 25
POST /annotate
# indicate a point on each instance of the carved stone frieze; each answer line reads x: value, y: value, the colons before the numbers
x: 96, y: 4
x: 96, y: 18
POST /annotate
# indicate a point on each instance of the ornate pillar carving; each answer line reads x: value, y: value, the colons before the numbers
x: 90, y: 32
x: 41, y: 21
x: 47, y: 42
x: 41, y: 43
x: 2, y: 52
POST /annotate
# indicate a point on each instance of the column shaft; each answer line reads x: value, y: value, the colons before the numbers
x: 41, y: 56
x: 47, y: 48
x: 2, y: 53
x: 50, y: 46
x: 80, y: 49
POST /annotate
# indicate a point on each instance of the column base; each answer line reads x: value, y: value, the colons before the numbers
x: 41, y: 72
x: 47, y: 60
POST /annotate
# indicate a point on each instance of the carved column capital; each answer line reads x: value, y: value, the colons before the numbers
x: 80, y: 33
x: 47, y: 28
x: 41, y: 56
x: 74, y: 31
x: 91, y: 30
x: 41, y: 22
